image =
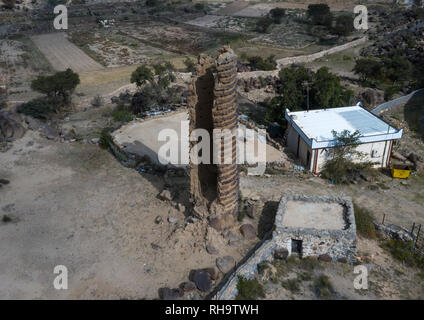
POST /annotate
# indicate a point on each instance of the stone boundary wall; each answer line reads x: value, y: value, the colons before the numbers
x: 311, y: 57
x: 301, y: 59
x: 396, y: 102
x: 264, y: 250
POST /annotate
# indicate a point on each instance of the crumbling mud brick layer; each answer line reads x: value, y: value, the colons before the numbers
x: 212, y: 105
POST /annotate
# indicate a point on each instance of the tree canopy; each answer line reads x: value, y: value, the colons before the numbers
x: 320, y: 14
x: 59, y: 85
x: 326, y: 91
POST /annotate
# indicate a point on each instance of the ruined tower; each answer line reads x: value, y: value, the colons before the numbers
x: 212, y: 102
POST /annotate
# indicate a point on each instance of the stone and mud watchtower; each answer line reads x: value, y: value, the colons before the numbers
x: 212, y: 105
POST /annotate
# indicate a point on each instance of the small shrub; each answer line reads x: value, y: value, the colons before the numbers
x: 97, y: 101
x: 323, y: 286
x: 309, y: 264
x: 305, y: 276
x: 262, y: 266
x: 123, y: 116
x: 249, y: 289
x: 190, y: 66
x: 291, y: 284
x: 105, y: 139
x: 38, y: 108
x: 364, y: 222
x: 6, y: 218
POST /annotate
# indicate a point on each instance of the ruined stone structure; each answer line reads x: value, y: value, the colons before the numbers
x: 212, y: 105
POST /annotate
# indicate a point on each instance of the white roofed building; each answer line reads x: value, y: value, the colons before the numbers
x: 309, y: 135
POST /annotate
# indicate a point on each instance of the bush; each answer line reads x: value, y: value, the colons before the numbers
x: 39, y: 108
x: 123, y: 116
x: 257, y: 63
x: 291, y: 284
x: 249, y: 289
x: 344, y: 25
x: 320, y: 14
x: 105, y: 140
x: 97, y: 101
x: 190, y: 66
x: 364, y: 222
x: 263, y: 24
x: 404, y: 252
x: 340, y: 167
x: 277, y: 14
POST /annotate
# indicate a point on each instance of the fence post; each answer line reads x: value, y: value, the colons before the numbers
x: 384, y: 217
x: 418, y: 235
x: 412, y: 230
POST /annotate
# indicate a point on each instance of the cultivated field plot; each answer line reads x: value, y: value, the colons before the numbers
x: 21, y: 62
x: 63, y: 54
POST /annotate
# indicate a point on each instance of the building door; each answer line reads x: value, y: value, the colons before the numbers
x: 296, y: 247
x: 308, y: 159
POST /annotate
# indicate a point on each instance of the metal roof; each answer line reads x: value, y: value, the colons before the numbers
x: 316, y: 126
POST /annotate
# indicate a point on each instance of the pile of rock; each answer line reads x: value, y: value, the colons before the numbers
x: 271, y: 83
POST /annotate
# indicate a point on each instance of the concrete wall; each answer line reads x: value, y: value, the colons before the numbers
x: 382, y: 156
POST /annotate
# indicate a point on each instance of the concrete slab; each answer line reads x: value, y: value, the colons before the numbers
x: 141, y: 137
x: 301, y: 214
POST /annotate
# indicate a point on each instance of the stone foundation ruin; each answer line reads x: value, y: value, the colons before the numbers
x: 316, y: 226
x: 321, y: 227
x: 212, y: 105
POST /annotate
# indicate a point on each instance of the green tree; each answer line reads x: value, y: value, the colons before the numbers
x: 141, y: 75
x: 368, y: 68
x: 327, y: 91
x: 277, y: 14
x: 263, y: 24
x: 320, y: 14
x: 58, y: 87
x: 397, y: 68
x: 165, y: 74
x: 340, y: 166
x: 343, y: 25
x: 258, y: 63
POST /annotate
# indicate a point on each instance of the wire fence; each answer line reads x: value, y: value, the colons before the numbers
x: 415, y: 231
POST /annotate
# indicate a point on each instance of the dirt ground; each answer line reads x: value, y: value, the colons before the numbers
x: 387, y: 279
x: 75, y: 205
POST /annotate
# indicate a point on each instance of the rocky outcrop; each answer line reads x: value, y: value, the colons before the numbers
x: 11, y: 126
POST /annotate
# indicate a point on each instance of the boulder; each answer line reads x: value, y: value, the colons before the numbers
x: 211, y: 249
x: 187, y: 286
x: 202, y: 280
x: 11, y: 127
x: 281, y: 253
x: 213, y: 272
x: 170, y: 294
x: 166, y: 195
x: 225, y: 264
x: 248, y: 231
x: 325, y: 257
